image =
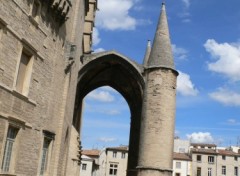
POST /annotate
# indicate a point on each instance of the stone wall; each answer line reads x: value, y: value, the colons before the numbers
x: 48, y: 99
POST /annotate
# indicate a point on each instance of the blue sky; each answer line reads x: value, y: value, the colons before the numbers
x: 205, y: 39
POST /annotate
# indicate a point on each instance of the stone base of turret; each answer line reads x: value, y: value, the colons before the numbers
x: 150, y: 171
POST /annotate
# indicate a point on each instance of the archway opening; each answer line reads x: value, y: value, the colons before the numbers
x: 123, y: 75
x: 105, y: 119
x: 105, y: 131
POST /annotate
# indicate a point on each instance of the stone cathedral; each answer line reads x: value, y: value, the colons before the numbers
x: 47, y: 68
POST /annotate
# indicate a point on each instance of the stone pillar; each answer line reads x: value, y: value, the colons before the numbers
x: 157, y: 123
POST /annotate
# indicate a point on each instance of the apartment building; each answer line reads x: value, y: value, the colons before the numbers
x: 113, y: 161
x: 89, y: 163
x: 182, y: 164
x: 208, y: 160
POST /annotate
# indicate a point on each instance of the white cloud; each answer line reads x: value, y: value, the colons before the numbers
x: 179, y: 53
x: 114, y: 14
x: 185, y: 15
x: 200, y: 137
x: 99, y: 95
x: 227, y: 58
x: 98, y: 50
x: 96, y: 38
x: 186, y: 20
x: 226, y: 97
x: 233, y: 122
x: 106, y: 139
x: 186, y: 3
x: 185, y: 86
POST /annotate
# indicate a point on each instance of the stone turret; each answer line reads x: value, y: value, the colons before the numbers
x: 158, y: 114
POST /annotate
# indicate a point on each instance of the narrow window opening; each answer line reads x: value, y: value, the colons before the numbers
x: 36, y: 8
x: 114, y: 154
x: 84, y: 166
x: 113, y: 169
x: 199, y: 171
x: 223, y: 170
x: 8, y: 150
x: 45, y: 152
x: 23, y: 72
x: 209, y: 171
x: 48, y: 138
x: 123, y: 154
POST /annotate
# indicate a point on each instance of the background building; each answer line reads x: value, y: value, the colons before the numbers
x: 89, y: 163
x: 113, y: 161
x: 182, y: 164
x: 191, y: 160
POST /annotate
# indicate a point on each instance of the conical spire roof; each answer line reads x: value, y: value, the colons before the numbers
x: 161, y: 54
x: 147, y: 54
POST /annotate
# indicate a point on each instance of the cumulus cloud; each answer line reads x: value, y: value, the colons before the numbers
x: 200, y: 137
x: 227, y: 97
x: 114, y: 14
x: 98, y: 50
x: 108, y: 88
x: 185, y: 86
x: 179, y: 53
x: 96, y: 38
x: 227, y: 58
x: 99, y: 95
x: 186, y: 3
x: 106, y: 139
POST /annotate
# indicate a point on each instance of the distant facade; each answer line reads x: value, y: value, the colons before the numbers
x: 208, y: 160
x: 90, y: 163
x: 113, y: 161
x: 182, y: 164
x: 199, y: 160
x: 108, y: 162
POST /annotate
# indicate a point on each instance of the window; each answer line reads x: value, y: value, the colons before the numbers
x: 199, y: 158
x: 177, y: 174
x: 23, y: 73
x: 209, y: 171
x: 114, y: 154
x: 0, y: 31
x: 199, y: 171
x: 223, y: 157
x: 123, y: 154
x: 36, y: 8
x: 178, y: 165
x: 181, y: 150
x: 8, y: 150
x: 235, y: 171
x: 45, y: 155
x: 84, y: 166
x: 235, y: 158
x: 113, y: 169
x: 210, y: 159
x: 223, y: 170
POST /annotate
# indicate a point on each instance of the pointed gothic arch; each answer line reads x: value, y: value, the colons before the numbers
x: 119, y: 72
